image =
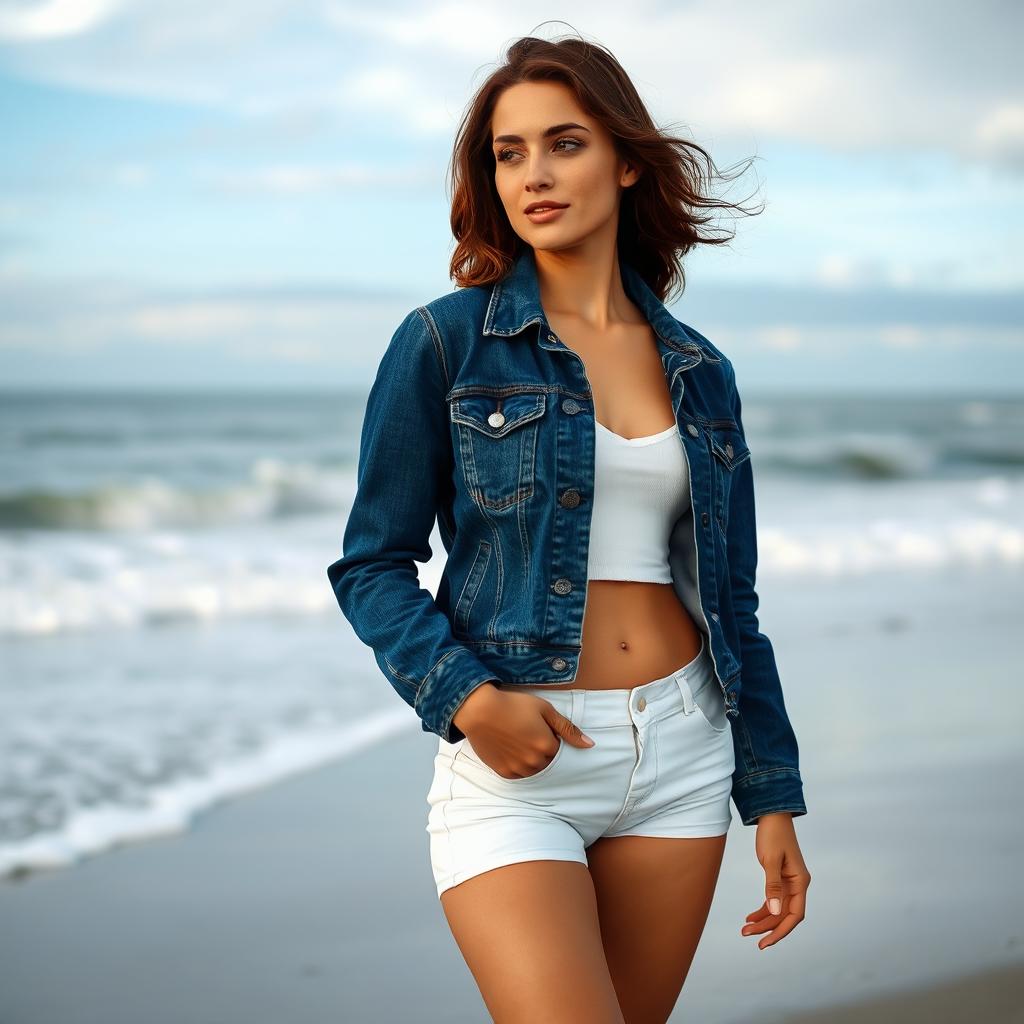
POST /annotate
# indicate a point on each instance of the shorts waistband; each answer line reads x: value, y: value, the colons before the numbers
x: 644, y: 702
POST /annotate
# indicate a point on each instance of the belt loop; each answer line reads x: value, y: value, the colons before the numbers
x: 575, y: 708
x: 686, y: 693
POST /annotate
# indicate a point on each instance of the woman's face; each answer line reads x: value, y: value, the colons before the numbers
x: 575, y: 165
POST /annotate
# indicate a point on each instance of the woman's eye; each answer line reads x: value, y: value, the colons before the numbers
x: 504, y: 154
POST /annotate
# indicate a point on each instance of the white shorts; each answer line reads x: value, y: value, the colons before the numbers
x: 661, y: 765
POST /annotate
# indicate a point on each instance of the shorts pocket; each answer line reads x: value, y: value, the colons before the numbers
x: 470, y: 756
x: 710, y: 705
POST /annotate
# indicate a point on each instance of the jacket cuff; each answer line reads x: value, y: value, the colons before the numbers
x: 769, y: 791
x: 444, y: 689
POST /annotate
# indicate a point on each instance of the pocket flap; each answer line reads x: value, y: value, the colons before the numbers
x: 727, y: 443
x: 498, y: 415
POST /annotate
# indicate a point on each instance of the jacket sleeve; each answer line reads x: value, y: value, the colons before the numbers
x: 767, y: 776
x: 405, y: 459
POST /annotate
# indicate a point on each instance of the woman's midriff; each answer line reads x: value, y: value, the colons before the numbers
x: 632, y: 633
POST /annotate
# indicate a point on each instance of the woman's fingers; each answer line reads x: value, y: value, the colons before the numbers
x: 778, y: 925
x: 792, y: 916
x: 565, y: 727
x: 760, y: 921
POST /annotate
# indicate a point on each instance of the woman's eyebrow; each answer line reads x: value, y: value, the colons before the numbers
x: 553, y: 130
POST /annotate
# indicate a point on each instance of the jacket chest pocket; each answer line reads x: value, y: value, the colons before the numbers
x: 496, y: 437
x: 729, y: 450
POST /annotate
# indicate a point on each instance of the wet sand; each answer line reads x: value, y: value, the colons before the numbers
x: 313, y: 900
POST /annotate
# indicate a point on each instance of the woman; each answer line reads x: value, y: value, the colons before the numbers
x: 584, y: 456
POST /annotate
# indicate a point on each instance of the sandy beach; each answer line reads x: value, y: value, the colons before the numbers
x: 312, y: 900
x: 993, y: 995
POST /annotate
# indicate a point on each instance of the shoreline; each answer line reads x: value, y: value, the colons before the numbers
x: 994, y: 994
x: 313, y: 899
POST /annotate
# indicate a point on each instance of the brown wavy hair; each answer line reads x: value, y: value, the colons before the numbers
x: 660, y: 215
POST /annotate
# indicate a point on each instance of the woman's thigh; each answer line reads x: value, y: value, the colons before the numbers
x: 653, y: 898
x: 530, y: 934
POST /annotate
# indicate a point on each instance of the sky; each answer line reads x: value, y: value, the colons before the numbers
x: 253, y: 194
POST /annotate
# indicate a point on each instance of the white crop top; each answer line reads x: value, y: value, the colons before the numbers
x: 641, y: 488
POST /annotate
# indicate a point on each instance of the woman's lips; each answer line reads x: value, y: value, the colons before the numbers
x: 543, y: 216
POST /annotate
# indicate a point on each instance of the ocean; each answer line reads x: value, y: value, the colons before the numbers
x: 169, y: 638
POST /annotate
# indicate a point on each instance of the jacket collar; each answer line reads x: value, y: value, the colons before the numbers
x: 515, y: 303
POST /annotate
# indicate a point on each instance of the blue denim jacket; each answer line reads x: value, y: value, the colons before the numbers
x: 481, y: 418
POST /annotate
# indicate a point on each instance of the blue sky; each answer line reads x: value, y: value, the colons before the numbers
x: 253, y: 194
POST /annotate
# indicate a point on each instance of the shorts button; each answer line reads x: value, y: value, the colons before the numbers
x: 641, y: 704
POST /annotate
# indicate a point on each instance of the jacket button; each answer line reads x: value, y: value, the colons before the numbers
x: 496, y: 419
x: 714, y: 615
x: 705, y: 518
x: 692, y: 429
x: 562, y: 586
x: 559, y: 664
x: 569, y: 498
x: 728, y: 449
x: 571, y: 406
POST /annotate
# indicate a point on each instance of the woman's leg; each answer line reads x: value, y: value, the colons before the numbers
x: 653, y: 899
x: 530, y: 934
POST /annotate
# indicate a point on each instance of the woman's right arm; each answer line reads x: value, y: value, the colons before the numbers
x: 405, y: 458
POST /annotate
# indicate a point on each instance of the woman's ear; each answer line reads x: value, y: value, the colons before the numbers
x: 630, y: 175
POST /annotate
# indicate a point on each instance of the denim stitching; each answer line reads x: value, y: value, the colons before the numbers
x: 750, y: 819
x: 768, y: 771
x: 444, y: 811
x: 405, y: 679
x: 435, y: 336
x: 499, y: 566
x: 483, y: 551
x: 437, y: 664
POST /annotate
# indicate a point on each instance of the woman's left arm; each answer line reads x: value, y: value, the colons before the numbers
x: 767, y: 786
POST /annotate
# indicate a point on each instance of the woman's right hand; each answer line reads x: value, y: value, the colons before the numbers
x: 515, y: 734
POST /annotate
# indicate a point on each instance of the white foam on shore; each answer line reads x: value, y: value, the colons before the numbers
x: 171, y: 809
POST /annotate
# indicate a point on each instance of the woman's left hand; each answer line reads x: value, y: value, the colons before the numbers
x: 786, y: 879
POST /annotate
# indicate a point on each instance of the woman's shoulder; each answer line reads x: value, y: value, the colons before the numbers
x: 703, y: 343
x: 455, y: 321
x: 463, y: 309
x: 715, y: 360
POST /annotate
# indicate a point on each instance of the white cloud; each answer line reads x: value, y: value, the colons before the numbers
x: 99, y: 317
x: 302, y: 179
x: 1001, y: 133
x: 780, y: 339
x: 453, y: 27
x: 855, y: 340
x: 54, y: 19
x: 839, y: 270
x: 131, y: 174
x: 848, y: 77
